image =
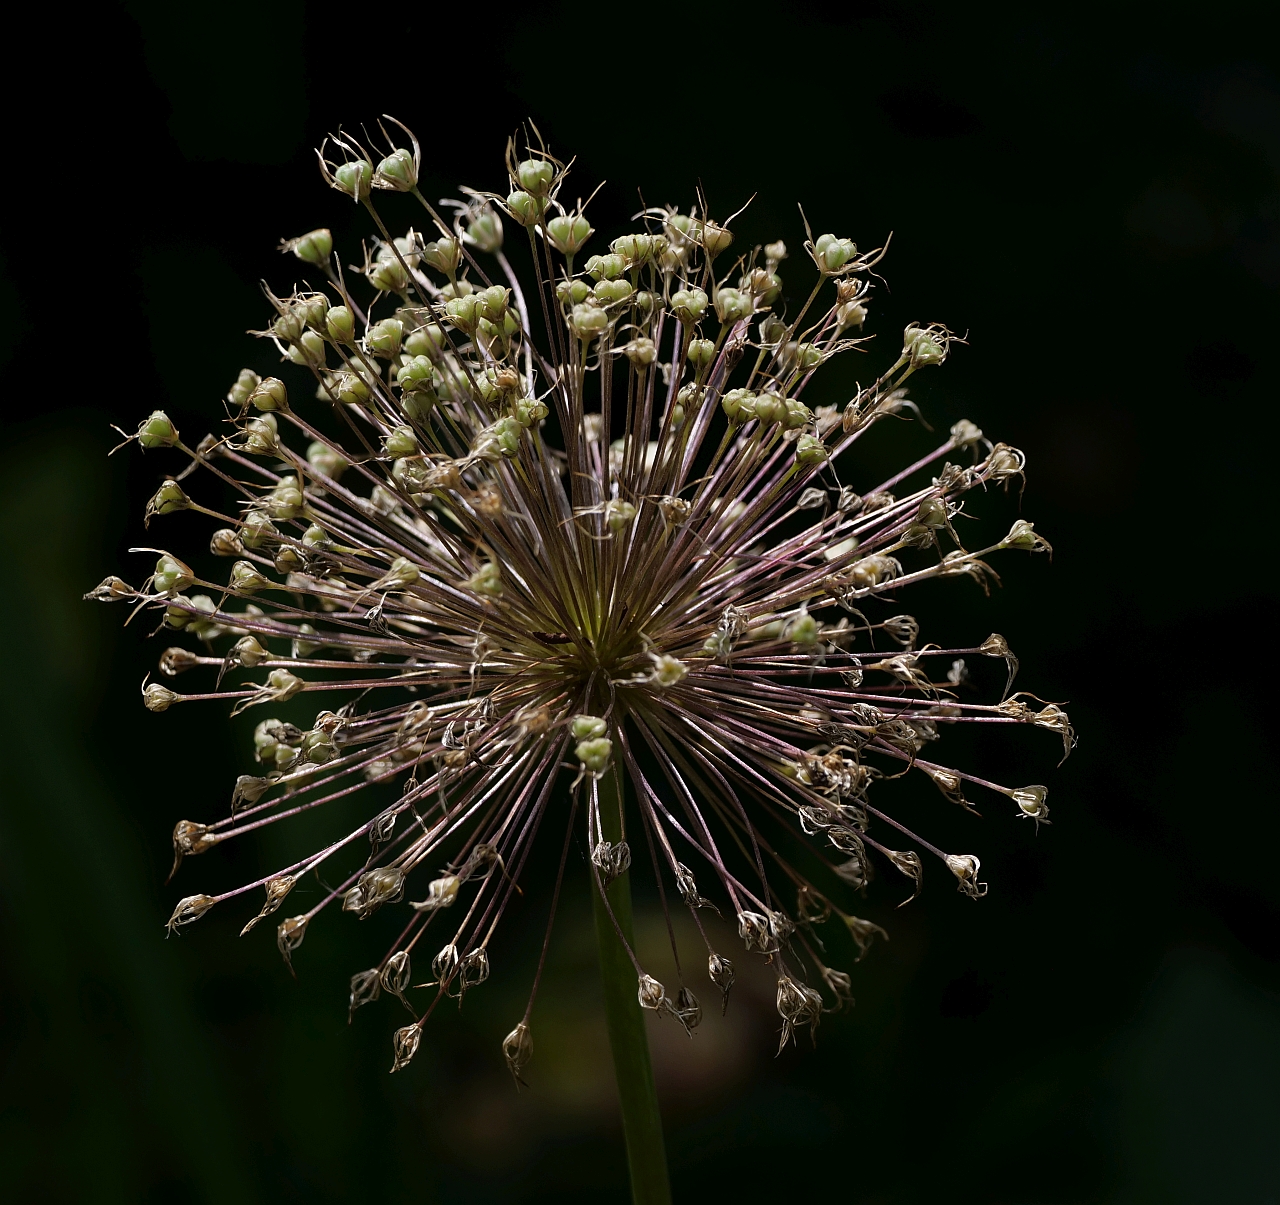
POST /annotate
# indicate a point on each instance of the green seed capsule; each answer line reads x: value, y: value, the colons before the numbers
x: 261, y: 435
x: 400, y: 442
x: 239, y: 393
x: 171, y: 575
x: 536, y: 176
x: 444, y: 255
x: 397, y: 171
x: 384, y: 338
x: 572, y: 292
x: 738, y: 405
x: 485, y: 231
x: 315, y: 247
x: 810, y: 450
x: 595, y: 755
x: 340, y: 323
x: 157, y: 431
x: 355, y: 179
x: 587, y: 727
x: 169, y: 498
x: 732, y: 305
x: 389, y: 276
x: 689, y: 305
x: 700, y: 352
x: 527, y: 209
x: 325, y: 460
x: 246, y: 579
x: 487, y: 580
x: 568, y: 232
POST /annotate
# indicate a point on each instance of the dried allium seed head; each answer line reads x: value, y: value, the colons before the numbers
x: 537, y: 535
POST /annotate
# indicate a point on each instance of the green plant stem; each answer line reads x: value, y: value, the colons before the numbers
x: 641, y: 1121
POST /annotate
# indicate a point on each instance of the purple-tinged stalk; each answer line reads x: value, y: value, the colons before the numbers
x: 536, y: 536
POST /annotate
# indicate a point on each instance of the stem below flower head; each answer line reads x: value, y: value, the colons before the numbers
x: 641, y: 1121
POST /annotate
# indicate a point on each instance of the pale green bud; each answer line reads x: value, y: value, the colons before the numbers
x: 411, y: 474
x: 770, y: 409
x: 257, y: 530
x: 641, y: 352
x: 797, y: 415
x: 464, y: 312
x: 618, y: 514
x: 170, y: 497
x: 528, y: 411
x: 417, y: 373
x: 317, y: 747
x: 402, y: 574
x: 634, y: 249
x: 248, y: 651
x: 309, y: 351
x: 351, y: 389
x: 801, y: 629
x: 316, y: 537
x: 500, y: 439
x: 285, y: 499
x: 313, y: 309
x: 923, y: 347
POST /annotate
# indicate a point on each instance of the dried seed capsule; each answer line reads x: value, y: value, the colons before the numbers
x: 191, y: 907
x: 517, y: 1049
x: 651, y: 993
x: 965, y: 867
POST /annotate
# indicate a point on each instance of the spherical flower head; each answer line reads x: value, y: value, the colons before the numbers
x: 602, y: 578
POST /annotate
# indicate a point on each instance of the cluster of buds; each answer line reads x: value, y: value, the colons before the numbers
x: 569, y: 543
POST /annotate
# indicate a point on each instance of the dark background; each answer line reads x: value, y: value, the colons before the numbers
x: 1093, y: 196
